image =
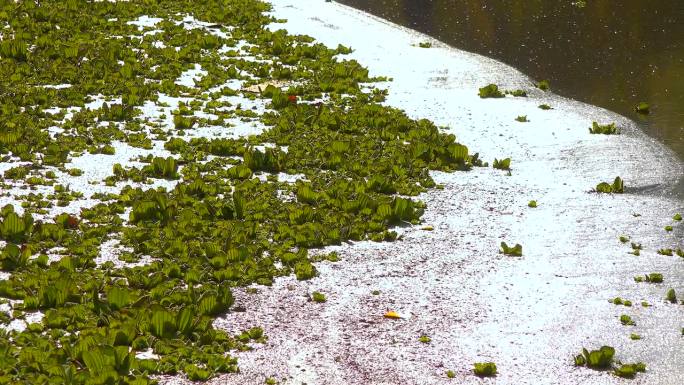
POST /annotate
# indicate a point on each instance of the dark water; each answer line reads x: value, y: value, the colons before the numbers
x: 613, y: 54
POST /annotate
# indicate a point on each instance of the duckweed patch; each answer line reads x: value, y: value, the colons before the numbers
x: 224, y: 219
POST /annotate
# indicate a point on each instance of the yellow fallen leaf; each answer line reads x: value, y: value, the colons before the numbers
x: 392, y: 315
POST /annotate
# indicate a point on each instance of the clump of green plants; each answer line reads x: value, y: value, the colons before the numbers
x: 669, y: 228
x: 490, y: 91
x: 424, y: 339
x: 522, y: 119
x: 642, y: 108
x: 627, y: 320
x: 667, y: 252
x: 607, y: 129
x: 596, y: 359
x: 624, y: 238
x: 518, y: 93
x: 484, y: 369
x: 617, y: 187
x: 545, y: 107
x: 652, y: 278
x: 318, y: 297
x: 217, y: 226
x: 450, y: 374
x: 671, y: 296
x: 629, y: 370
x: 425, y: 44
x: 634, y: 337
x: 677, y: 217
x: 515, y: 251
x: 532, y: 204
x: 543, y: 85
x: 620, y: 301
x: 503, y: 164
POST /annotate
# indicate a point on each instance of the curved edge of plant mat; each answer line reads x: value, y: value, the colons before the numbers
x: 447, y: 280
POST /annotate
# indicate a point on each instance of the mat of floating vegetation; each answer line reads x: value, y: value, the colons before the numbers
x: 193, y: 215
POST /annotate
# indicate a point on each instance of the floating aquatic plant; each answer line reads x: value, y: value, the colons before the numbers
x: 318, y: 297
x: 596, y: 359
x: 627, y: 320
x: 629, y: 370
x: 617, y: 187
x: 642, y: 108
x: 503, y: 164
x: 543, y: 85
x: 490, y: 91
x: 515, y: 251
x: 607, y: 129
x: 532, y: 204
x: 545, y: 107
x: 484, y: 369
x: 671, y: 296
x: 522, y: 118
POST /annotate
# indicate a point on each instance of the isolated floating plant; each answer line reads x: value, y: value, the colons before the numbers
x: 490, y: 91
x: 318, y: 297
x: 652, y: 278
x: 522, y: 119
x: 503, y: 164
x: 642, y: 108
x: 671, y: 296
x: 608, y: 129
x: 596, y: 359
x: 629, y: 370
x: 545, y: 107
x: 484, y: 369
x: 515, y: 251
x: 543, y: 85
x: 517, y: 93
x: 627, y: 320
x: 617, y: 187
x: 620, y: 301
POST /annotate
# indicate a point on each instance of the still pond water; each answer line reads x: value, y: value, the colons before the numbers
x: 611, y: 54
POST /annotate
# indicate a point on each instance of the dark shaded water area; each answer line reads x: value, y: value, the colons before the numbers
x: 607, y: 53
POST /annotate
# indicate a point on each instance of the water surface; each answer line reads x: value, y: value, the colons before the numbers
x: 608, y: 54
